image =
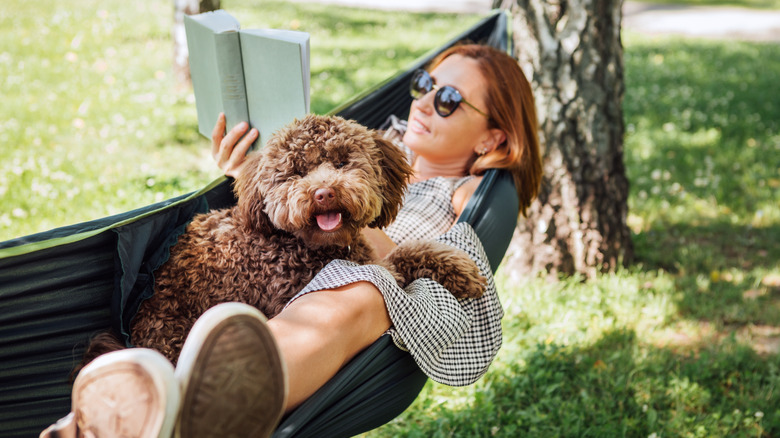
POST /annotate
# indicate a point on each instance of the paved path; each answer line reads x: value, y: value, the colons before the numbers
x: 694, y: 21
x: 702, y: 21
x: 459, y: 6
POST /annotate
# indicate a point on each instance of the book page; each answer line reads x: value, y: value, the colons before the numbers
x: 277, y: 77
x: 216, y: 69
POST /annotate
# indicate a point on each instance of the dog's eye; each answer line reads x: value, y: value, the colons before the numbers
x: 340, y: 164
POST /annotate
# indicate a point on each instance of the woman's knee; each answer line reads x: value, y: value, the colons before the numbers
x: 350, y: 309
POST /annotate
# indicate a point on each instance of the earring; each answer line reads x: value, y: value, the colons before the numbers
x: 482, y: 151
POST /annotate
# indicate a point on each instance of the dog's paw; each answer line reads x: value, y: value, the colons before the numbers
x: 446, y: 265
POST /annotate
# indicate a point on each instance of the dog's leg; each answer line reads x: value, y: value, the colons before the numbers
x: 446, y: 265
x: 165, y: 334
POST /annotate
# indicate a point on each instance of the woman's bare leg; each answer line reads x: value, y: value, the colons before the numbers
x: 321, y: 331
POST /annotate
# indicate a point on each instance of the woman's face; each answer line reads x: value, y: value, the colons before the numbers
x: 457, y: 137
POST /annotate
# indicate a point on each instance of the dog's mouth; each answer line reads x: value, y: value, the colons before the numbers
x: 329, y: 221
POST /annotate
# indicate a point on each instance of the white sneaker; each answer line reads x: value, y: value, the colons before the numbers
x: 232, y: 376
x: 127, y: 393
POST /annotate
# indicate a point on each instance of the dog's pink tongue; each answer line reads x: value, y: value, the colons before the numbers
x: 329, y: 221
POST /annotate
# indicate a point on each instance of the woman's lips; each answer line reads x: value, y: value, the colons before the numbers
x: 416, y: 126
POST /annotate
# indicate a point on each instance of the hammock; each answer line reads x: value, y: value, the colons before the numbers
x: 59, y: 287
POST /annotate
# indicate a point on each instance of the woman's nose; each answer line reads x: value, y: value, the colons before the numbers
x: 425, y: 103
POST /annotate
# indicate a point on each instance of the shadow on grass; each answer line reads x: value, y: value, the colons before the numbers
x: 720, y: 270
x: 688, y: 249
x: 615, y: 387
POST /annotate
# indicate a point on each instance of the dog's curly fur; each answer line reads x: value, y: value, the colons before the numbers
x: 302, y: 202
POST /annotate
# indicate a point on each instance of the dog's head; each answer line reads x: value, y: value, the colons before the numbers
x: 323, y: 179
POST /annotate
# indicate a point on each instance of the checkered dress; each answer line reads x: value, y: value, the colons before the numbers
x: 452, y: 340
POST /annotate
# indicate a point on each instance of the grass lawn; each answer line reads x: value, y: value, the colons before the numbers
x: 684, y: 343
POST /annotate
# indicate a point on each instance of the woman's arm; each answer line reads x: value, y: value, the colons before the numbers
x: 229, y: 151
x: 379, y: 240
x: 462, y: 195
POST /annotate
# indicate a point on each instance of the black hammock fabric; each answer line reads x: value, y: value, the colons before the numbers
x: 59, y: 287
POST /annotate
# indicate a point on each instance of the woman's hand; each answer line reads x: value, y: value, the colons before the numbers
x: 229, y: 151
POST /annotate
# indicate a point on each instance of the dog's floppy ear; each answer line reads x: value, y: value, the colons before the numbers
x: 395, y: 172
x: 249, y: 209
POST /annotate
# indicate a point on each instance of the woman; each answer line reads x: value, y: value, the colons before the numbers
x: 472, y: 112
x: 495, y: 126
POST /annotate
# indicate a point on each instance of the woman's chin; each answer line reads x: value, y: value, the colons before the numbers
x: 413, y: 139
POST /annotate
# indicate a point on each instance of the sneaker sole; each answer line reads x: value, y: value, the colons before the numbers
x: 65, y: 427
x: 231, y: 374
x: 126, y: 393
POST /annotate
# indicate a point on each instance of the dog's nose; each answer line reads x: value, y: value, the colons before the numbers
x: 324, y: 195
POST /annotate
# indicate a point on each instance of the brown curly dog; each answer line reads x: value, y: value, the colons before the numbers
x: 302, y: 202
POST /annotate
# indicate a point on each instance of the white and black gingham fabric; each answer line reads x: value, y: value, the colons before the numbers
x: 453, y: 341
x: 427, y: 210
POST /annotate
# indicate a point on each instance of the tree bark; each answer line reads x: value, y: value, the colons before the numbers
x: 181, y: 67
x: 572, y: 53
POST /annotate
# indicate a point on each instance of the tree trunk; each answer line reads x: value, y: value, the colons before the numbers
x: 181, y: 67
x: 572, y: 52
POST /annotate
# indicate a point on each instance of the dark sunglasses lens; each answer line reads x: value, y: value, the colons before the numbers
x: 447, y: 100
x: 421, y: 84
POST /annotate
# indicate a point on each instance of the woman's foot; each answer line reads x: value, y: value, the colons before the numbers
x: 232, y: 376
x: 126, y: 393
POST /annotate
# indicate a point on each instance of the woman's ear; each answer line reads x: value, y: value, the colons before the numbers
x: 492, y: 139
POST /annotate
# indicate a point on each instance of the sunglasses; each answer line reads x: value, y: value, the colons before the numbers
x: 447, y: 98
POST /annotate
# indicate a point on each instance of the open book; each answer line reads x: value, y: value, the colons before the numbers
x: 256, y: 75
